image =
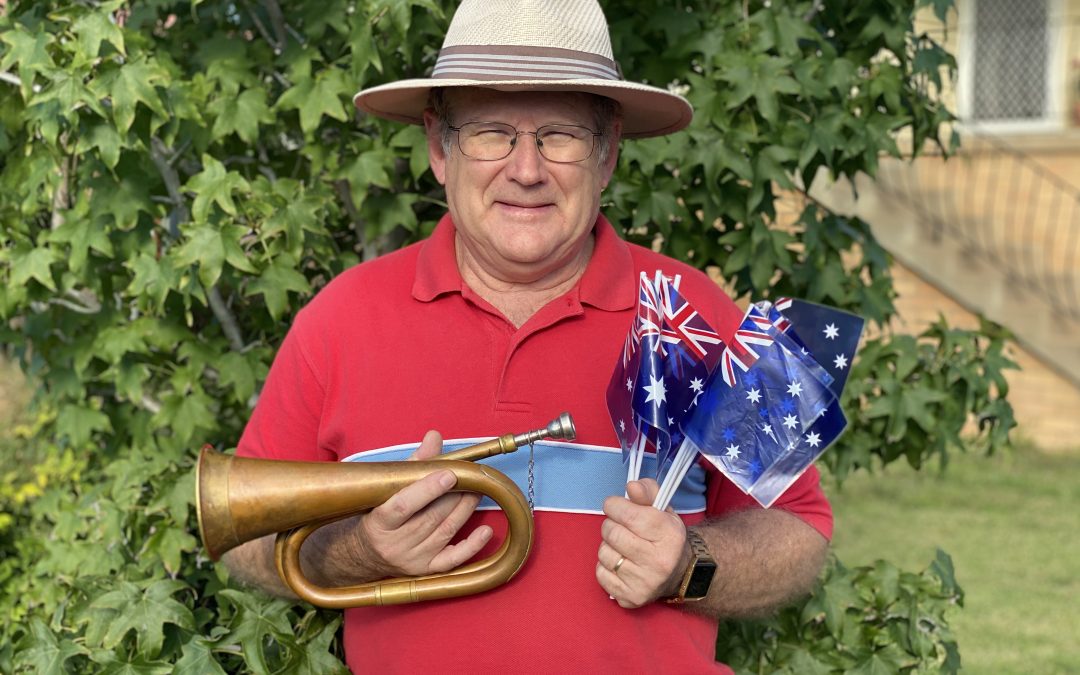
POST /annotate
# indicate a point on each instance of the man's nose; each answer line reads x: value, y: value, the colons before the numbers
x: 525, y: 163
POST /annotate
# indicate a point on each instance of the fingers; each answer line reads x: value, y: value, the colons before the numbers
x: 406, y: 503
x: 648, y: 542
x: 455, y: 555
x: 430, y: 447
x: 643, y: 491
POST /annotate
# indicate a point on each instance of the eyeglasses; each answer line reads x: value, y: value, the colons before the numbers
x: 490, y: 141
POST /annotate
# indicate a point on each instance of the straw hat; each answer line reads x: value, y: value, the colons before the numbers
x: 533, y: 45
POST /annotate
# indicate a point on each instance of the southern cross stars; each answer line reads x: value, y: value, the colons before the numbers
x: 831, y: 331
x: 813, y: 439
x: 657, y: 391
x: 790, y: 421
x: 753, y: 395
x: 840, y: 361
x: 732, y: 451
x: 795, y: 388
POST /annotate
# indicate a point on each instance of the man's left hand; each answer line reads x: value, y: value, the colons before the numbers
x: 644, y: 551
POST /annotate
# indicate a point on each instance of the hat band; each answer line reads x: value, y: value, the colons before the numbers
x: 515, y: 62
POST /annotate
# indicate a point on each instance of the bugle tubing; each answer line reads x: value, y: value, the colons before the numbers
x: 239, y: 499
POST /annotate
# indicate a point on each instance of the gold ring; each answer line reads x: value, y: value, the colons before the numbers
x: 618, y: 565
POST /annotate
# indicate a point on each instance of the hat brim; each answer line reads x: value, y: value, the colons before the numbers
x: 646, y: 111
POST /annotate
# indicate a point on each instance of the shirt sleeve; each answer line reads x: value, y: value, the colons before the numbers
x: 286, y: 419
x: 804, y: 499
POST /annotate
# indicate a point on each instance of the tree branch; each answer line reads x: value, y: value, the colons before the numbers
x: 225, y: 318
x: 159, y: 153
x: 277, y: 20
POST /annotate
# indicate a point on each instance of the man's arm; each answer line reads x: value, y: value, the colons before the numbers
x: 765, y: 558
x: 408, y: 535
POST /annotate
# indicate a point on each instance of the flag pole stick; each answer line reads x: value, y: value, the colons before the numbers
x: 680, y: 466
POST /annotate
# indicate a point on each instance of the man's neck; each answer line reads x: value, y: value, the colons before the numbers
x: 518, y: 295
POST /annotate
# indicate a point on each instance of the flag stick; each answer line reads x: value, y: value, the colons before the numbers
x: 680, y: 466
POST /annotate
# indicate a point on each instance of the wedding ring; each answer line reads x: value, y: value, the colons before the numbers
x: 618, y: 564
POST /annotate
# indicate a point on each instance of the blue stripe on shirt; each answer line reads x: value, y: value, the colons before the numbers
x: 568, y: 477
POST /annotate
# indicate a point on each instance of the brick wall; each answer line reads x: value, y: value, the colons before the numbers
x: 1047, y: 406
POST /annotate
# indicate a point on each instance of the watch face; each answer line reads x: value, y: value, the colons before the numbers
x: 700, y: 579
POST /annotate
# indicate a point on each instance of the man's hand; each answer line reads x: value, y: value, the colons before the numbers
x: 410, y: 533
x: 650, y: 544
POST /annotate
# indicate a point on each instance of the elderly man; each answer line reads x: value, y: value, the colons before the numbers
x: 513, y: 310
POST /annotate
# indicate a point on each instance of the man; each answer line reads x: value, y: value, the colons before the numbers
x: 513, y: 310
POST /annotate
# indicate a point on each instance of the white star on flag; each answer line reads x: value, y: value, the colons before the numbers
x: 629, y: 384
x: 622, y: 426
x: 767, y: 428
x: 790, y: 421
x: 831, y: 331
x: 697, y: 385
x: 732, y: 451
x: 671, y: 421
x: 753, y: 395
x: 795, y: 388
x: 840, y: 361
x: 657, y: 392
x: 813, y: 439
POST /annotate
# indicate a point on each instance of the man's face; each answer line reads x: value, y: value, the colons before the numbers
x: 523, y: 216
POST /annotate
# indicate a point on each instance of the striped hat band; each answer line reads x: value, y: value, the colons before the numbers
x: 503, y: 62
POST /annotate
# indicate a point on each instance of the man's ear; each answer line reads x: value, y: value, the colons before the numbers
x: 613, y: 154
x: 436, y: 153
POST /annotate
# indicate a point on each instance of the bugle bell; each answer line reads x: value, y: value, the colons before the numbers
x: 239, y: 499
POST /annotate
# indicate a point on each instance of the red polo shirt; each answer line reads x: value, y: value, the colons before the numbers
x: 400, y: 345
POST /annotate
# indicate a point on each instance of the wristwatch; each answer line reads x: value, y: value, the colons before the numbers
x: 699, y: 573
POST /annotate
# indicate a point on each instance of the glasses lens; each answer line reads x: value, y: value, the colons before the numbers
x: 486, y: 140
x: 495, y: 140
x: 564, y: 142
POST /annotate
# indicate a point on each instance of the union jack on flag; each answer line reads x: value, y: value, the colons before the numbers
x: 666, y: 358
x: 772, y: 408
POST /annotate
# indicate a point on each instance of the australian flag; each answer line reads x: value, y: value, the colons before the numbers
x: 772, y: 408
x: 661, y: 373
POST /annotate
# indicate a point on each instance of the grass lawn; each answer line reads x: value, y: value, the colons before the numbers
x: 1011, y: 524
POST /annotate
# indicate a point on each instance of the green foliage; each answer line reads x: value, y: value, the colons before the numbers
x: 178, y: 178
x: 868, y: 620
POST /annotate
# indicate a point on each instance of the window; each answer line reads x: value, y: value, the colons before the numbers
x: 1010, y: 75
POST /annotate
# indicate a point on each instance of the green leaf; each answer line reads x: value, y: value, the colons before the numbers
x: 198, y: 658
x: 316, y: 97
x: 214, y: 185
x: 276, y: 281
x: 33, y: 264
x: 82, y: 235
x: 235, y: 371
x: 28, y: 52
x: 257, y: 621
x: 315, y: 656
x: 93, y: 28
x: 241, y: 114
x: 41, y: 652
x: 134, y: 84
x: 106, y: 140
x: 204, y: 248
x: 78, y: 423
x: 144, y: 611
x: 168, y: 544
x: 152, y: 278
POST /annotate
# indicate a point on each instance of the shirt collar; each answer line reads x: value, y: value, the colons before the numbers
x: 608, y: 282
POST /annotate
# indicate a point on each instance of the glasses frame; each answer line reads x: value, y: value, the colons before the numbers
x: 536, y: 138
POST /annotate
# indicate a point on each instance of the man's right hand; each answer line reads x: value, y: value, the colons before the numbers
x: 410, y: 533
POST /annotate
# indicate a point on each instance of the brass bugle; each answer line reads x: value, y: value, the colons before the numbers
x: 239, y: 499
